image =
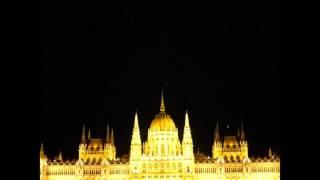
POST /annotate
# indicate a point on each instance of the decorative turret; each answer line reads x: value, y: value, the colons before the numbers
x: 112, y: 138
x: 162, y: 107
x: 60, y: 156
x: 216, y: 133
x: 217, y: 144
x: 42, y: 154
x: 82, y: 145
x: 108, y: 135
x: 270, y: 152
x: 187, y: 147
x: 187, y: 131
x: 89, y: 134
x: 109, y: 147
x: 243, y: 136
x: 243, y: 143
x: 43, y: 163
x: 135, y: 149
x: 187, y: 139
x: 83, y: 137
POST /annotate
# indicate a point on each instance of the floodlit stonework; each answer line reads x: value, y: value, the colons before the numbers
x: 161, y: 156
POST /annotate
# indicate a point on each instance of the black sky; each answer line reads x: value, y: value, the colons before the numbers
x: 102, y: 62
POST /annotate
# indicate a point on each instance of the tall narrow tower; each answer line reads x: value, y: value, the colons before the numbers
x: 187, y: 148
x: 243, y: 143
x: 135, y: 148
x: 217, y: 144
x: 109, y: 147
x: 83, y: 136
x: 108, y: 135
x: 187, y: 144
x: 43, y: 163
x: 83, y: 145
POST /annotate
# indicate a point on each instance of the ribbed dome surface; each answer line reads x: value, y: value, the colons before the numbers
x: 162, y: 122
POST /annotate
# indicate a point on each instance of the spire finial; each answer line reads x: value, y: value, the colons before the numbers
x: 242, y: 132
x: 41, y: 150
x: 83, y: 137
x: 112, y: 137
x: 186, y: 124
x: 108, y: 134
x: 60, y: 156
x: 89, y: 134
x: 216, y: 133
x: 270, y: 152
x: 136, y: 125
x: 162, y: 107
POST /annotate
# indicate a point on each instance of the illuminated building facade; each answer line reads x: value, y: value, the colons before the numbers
x: 161, y: 156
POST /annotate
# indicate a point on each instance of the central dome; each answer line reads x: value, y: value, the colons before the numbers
x: 162, y: 121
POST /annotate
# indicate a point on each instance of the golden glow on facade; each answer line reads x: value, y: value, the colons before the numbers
x: 161, y: 156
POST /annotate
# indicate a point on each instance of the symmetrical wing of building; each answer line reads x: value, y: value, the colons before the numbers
x: 161, y: 156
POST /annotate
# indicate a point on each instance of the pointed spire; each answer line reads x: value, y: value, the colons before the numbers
x: 83, y: 137
x: 243, y: 137
x: 187, y: 131
x: 41, y: 150
x: 136, y: 132
x: 108, y: 134
x: 89, y: 134
x: 198, y: 151
x: 186, y: 123
x: 112, y: 137
x: 136, y: 124
x: 162, y: 107
x: 216, y: 133
x: 238, y: 133
x: 270, y: 152
x: 60, y: 156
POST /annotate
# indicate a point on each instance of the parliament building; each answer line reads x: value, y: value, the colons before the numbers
x: 162, y: 156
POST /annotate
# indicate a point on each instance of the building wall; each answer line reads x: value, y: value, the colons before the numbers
x: 222, y: 171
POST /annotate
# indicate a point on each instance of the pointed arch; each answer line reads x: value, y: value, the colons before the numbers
x: 225, y: 158
x: 94, y: 160
x: 88, y: 161
x: 231, y: 158
x: 100, y: 161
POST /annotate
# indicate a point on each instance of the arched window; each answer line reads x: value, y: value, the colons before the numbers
x: 225, y: 158
x: 88, y: 161
x: 94, y: 160
x: 231, y: 158
x: 238, y: 158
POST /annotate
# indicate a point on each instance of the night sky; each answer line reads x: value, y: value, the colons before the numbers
x: 102, y: 62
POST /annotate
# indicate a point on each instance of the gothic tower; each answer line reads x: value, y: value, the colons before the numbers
x: 217, y: 144
x: 83, y: 145
x: 135, y: 148
x: 243, y: 144
x: 187, y: 147
x: 109, y: 147
x: 43, y: 163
